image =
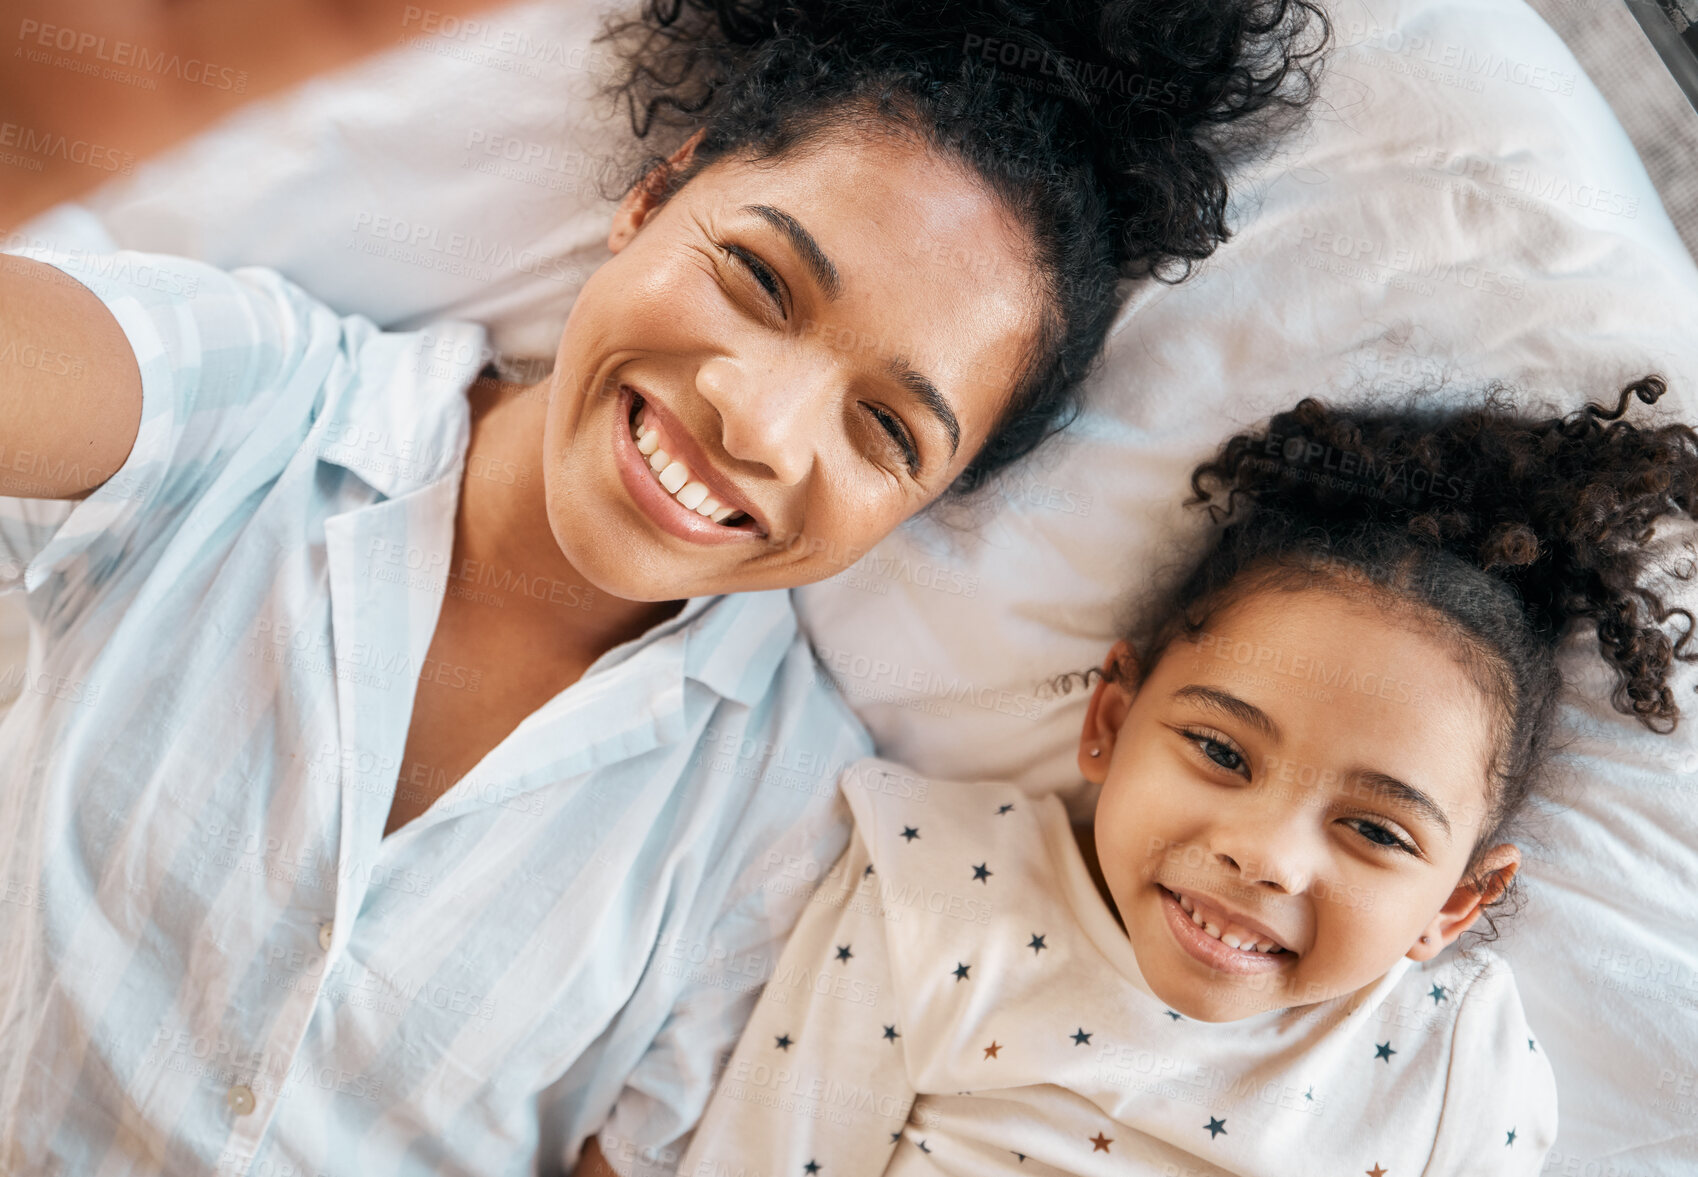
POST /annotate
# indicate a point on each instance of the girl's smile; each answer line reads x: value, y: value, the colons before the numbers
x: 1221, y: 942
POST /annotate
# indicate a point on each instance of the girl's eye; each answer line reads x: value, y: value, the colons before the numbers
x: 1379, y: 835
x: 1218, y: 751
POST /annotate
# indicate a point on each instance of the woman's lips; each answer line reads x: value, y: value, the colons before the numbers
x: 1206, y: 949
x: 654, y: 500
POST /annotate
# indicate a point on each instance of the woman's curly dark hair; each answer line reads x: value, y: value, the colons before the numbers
x: 1106, y: 126
x: 1493, y: 529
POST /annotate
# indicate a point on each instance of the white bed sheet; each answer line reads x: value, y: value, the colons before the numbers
x: 1463, y: 206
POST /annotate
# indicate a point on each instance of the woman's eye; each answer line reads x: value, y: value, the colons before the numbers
x: 1379, y: 835
x: 898, y: 435
x: 761, y: 272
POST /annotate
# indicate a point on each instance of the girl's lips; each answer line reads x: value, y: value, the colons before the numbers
x: 651, y: 498
x: 1206, y: 949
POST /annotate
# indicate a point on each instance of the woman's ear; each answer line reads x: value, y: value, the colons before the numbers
x: 1468, y: 902
x: 1110, y: 702
x: 643, y: 199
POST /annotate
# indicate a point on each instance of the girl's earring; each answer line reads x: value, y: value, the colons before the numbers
x: 1098, y: 752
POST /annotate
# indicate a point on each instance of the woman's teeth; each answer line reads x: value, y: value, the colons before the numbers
x: 675, y: 477
x: 1232, y: 935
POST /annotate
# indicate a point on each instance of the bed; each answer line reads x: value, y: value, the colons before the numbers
x: 1462, y: 207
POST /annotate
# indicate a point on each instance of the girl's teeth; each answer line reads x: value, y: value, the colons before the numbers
x: 659, y: 460
x: 724, y: 513
x: 1233, y: 938
x: 707, y: 507
x: 648, y: 442
x: 692, y: 495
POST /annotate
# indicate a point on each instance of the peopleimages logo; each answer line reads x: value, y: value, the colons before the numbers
x: 124, y: 55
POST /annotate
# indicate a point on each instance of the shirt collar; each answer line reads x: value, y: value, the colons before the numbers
x: 402, y: 420
x: 731, y: 644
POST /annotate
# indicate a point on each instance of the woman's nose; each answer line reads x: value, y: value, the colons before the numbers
x: 773, y: 414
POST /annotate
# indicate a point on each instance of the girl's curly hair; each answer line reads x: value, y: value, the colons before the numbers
x: 1492, y: 529
x: 1106, y: 127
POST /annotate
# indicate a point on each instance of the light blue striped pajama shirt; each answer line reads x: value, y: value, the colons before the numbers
x: 211, y: 959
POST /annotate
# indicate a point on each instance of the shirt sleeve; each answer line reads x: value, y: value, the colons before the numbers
x: 232, y: 366
x: 818, y: 1083
x: 1500, y: 1103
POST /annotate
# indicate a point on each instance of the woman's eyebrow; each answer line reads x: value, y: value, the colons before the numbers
x: 824, y: 272
x: 1380, y: 782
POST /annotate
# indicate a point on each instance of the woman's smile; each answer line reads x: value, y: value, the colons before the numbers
x: 666, y: 475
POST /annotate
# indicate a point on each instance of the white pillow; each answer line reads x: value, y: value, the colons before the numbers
x: 1463, y: 206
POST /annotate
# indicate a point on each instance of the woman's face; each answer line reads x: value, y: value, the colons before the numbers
x: 820, y: 344
x: 1309, y: 774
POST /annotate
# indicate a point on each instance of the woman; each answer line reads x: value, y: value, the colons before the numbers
x: 410, y: 770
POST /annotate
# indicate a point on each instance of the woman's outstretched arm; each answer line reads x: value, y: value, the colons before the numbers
x: 70, y: 387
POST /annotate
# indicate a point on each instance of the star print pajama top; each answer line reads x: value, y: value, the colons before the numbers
x: 958, y: 999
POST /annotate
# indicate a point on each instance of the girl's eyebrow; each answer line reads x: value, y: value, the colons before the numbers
x: 1230, y: 705
x: 1389, y: 785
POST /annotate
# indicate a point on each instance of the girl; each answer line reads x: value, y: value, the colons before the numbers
x: 1311, y: 754
x: 380, y: 803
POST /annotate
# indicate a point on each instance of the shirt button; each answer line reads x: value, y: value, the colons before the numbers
x: 240, y: 1099
x: 326, y: 933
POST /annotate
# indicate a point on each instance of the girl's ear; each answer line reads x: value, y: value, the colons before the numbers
x: 1110, y: 702
x: 1468, y: 901
x: 644, y: 197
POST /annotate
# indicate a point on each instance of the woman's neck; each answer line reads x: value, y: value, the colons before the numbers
x: 504, y: 547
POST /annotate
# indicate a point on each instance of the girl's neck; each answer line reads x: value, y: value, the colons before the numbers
x: 1084, y: 834
x: 504, y: 547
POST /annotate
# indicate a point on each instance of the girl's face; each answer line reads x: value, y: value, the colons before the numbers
x: 1309, y: 773
x: 820, y: 343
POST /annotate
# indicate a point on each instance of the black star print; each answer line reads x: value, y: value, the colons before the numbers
x: 1171, y: 1014
x: 1021, y: 1155
x: 961, y: 971
x: 1511, y: 1139
x: 1438, y: 993
x: 980, y: 874
x: 910, y: 832
x: 895, y: 1137
x: 1037, y: 945
x: 1384, y: 1050
x: 1081, y: 1038
x: 923, y: 1147
x: 1529, y: 1044
x: 811, y: 1167
x: 1309, y: 1094
x: 1215, y: 1127
x: 890, y: 1034
x: 784, y: 1041
x: 843, y: 952
x: 1000, y: 811
x: 868, y: 871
